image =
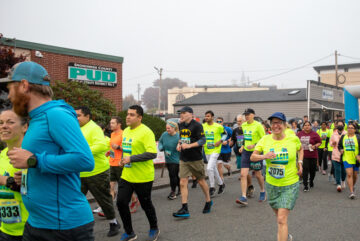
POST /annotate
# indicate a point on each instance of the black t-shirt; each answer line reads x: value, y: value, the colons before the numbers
x: 238, y: 138
x: 190, y: 133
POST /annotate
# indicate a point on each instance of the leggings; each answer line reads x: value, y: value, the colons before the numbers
x: 173, y: 169
x: 309, y: 167
x: 322, y: 158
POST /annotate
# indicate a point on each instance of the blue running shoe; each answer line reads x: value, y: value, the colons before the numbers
x: 242, y: 201
x: 153, y: 235
x: 128, y: 237
x: 262, y: 197
x: 207, y: 208
x: 182, y: 213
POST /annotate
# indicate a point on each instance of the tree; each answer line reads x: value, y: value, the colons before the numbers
x: 128, y: 101
x: 79, y: 94
x: 151, y: 95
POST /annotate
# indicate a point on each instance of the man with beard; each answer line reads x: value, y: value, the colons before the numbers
x: 52, y: 155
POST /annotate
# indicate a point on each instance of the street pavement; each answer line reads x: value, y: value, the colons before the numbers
x: 321, y: 214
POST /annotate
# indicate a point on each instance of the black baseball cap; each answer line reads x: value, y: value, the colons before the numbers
x: 249, y: 111
x: 186, y: 109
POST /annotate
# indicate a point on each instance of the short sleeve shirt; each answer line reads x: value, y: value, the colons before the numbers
x: 190, y: 133
x: 213, y: 134
x: 115, y: 155
x: 252, y: 134
x: 351, y: 149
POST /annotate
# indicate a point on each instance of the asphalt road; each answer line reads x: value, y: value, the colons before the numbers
x: 321, y: 214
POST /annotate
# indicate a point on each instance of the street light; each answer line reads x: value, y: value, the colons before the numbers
x: 160, y: 74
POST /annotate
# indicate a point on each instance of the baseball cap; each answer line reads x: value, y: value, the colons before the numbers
x: 186, y: 109
x: 249, y: 111
x: 278, y: 115
x: 33, y: 72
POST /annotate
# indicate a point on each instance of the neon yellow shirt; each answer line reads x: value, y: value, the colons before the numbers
x: 323, y: 135
x: 332, y: 127
x: 11, y: 204
x: 98, y: 146
x: 282, y: 170
x: 329, y: 147
x: 351, y: 149
x: 213, y: 134
x: 137, y: 141
x: 289, y: 132
x: 252, y: 134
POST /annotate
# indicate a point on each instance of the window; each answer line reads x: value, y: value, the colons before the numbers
x: 179, y: 97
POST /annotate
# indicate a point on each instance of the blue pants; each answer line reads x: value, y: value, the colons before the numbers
x: 339, y: 172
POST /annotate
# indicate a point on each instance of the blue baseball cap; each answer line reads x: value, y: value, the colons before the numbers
x: 33, y: 72
x: 278, y: 115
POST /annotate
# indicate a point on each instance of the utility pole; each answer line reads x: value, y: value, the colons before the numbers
x: 336, y: 69
x: 138, y: 90
x: 160, y: 75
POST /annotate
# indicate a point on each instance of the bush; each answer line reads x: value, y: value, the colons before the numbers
x: 157, y: 125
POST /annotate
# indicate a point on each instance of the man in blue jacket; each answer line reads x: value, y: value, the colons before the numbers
x: 52, y: 155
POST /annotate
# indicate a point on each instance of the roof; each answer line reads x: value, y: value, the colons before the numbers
x: 330, y: 105
x: 340, y: 66
x: 273, y: 95
x: 59, y: 50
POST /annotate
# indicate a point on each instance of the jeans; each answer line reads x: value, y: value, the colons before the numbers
x: 173, y: 169
x: 322, y: 158
x: 339, y: 172
x: 143, y: 191
x: 212, y: 169
x: 82, y: 233
x: 309, y: 167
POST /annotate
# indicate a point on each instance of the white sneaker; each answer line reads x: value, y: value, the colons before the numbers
x: 290, y: 238
x: 97, y: 210
x: 343, y: 185
x: 338, y: 188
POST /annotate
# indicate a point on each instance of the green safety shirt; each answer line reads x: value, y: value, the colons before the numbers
x: 212, y: 134
x: 252, y: 134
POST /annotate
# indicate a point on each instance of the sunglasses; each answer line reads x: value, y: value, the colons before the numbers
x: 218, y: 121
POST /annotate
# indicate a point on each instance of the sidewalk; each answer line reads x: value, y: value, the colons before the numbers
x: 162, y: 182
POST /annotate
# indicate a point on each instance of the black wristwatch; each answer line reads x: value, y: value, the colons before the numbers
x: 10, y: 181
x: 32, y: 161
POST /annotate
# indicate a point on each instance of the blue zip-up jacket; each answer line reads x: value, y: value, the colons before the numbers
x: 227, y: 148
x: 54, y: 199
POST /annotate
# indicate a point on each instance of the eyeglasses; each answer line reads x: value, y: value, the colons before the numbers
x: 218, y: 121
x: 277, y: 123
x: 351, y: 128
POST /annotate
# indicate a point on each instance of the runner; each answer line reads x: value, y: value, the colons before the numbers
x: 53, y: 153
x: 339, y: 169
x: 168, y: 143
x: 282, y: 176
x: 225, y: 154
x: 338, y: 117
x: 310, y: 141
x: 12, y: 130
x: 191, y: 164
x: 349, y: 148
x: 253, y: 132
x: 98, y: 180
x: 329, y: 158
x: 324, y: 134
x: 139, y: 150
x: 213, y: 133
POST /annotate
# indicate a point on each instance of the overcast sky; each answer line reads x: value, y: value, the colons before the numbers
x: 198, y: 41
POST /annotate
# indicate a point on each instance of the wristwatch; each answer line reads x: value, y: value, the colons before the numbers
x: 10, y: 181
x: 32, y: 161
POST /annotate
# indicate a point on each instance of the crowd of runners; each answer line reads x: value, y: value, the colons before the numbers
x: 55, y: 155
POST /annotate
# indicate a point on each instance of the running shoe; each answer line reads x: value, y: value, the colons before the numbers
x: 97, y: 210
x: 128, y: 237
x: 311, y: 185
x: 343, y: 184
x: 172, y: 196
x: 207, y: 207
x: 221, y: 189
x: 229, y: 171
x: 134, y: 205
x: 324, y: 172
x: 262, y: 197
x: 114, y: 229
x: 194, y: 184
x: 101, y: 214
x: 306, y: 189
x: 153, y: 234
x: 242, y: 200
x: 182, y: 213
x: 352, y: 195
x: 338, y: 188
x: 212, y: 191
x: 290, y: 238
x: 250, y: 191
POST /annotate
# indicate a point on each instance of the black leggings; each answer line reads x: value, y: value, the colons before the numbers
x: 309, y: 167
x: 143, y: 191
x: 173, y: 169
x: 323, y: 158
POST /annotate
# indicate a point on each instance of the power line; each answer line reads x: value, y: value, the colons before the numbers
x: 140, y: 76
x: 349, y: 57
x: 222, y: 72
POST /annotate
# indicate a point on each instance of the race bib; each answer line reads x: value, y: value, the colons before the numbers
x: 167, y: 153
x: 112, y: 154
x: 185, y: 140
x: 239, y: 140
x: 324, y: 136
x: 248, y: 136
x: 23, y: 188
x: 10, y: 211
x: 210, y: 145
x: 256, y: 166
x: 277, y: 171
x: 349, y: 145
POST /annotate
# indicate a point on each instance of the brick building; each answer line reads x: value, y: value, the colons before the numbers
x: 100, y: 71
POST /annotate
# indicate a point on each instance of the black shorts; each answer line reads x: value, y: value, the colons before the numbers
x: 224, y: 157
x: 115, y: 173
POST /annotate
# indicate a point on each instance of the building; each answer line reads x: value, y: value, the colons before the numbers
x: 348, y: 72
x: 176, y: 94
x: 324, y: 103
x: 102, y: 72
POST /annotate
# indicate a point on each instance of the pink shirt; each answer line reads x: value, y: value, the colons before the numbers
x: 334, y: 141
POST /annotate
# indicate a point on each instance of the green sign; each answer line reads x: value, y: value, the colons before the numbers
x: 92, y: 74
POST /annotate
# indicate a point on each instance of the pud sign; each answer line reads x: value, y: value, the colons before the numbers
x: 92, y: 74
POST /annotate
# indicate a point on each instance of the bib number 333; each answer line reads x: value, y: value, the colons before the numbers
x: 10, y: 211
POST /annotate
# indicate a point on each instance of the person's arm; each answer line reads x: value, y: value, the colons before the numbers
x: 75, y: 154
x: 340, y: 144
x: 160, y: 143
x: 300, y: 155
x: 143, y: 157
x: 256, y: 156
x: 97, y: 141
x: 150, y: 153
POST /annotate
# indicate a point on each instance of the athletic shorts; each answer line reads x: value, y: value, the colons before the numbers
x: 282, y: 197
x: 246, y: 163
x: 347, y: 165
x: 224, y: 157
x: 193, y: 168
x: 115, y: 173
